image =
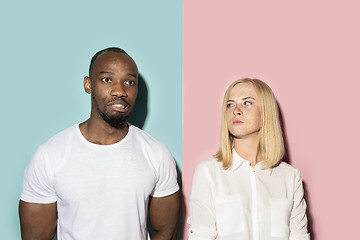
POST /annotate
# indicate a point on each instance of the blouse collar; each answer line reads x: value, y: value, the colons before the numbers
x: 238, y: 161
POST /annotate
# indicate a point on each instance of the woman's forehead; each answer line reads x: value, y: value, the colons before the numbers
x: 243, y: 90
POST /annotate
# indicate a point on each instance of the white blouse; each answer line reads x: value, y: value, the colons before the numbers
x: 247, y: 203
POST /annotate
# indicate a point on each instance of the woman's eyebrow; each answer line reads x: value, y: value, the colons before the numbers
x: 245, y: 98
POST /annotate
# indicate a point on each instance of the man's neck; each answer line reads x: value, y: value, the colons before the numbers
x: 100, y: 132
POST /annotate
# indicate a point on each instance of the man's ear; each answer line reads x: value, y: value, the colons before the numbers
x: 87, y: 84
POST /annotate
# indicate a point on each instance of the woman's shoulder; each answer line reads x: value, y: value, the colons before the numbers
x: 209, y: 165
x: 286, y: 168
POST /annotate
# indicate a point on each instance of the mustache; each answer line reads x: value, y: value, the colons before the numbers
x: 117, y: 100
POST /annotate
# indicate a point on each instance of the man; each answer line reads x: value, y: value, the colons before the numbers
x: 100, y: 178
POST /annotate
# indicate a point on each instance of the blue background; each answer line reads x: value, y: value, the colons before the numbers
x: 46, y: 47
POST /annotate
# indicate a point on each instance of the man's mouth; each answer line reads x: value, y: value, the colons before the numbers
x: 119, y: 107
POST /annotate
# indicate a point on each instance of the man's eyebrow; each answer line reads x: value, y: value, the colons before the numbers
x: 132, y: 75
x: 104, y: 72
x: 112, y: 73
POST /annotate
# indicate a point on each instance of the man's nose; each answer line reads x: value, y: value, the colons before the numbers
x: 118, y: 89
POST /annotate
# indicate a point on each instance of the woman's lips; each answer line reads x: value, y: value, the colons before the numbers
x: 237, y: 122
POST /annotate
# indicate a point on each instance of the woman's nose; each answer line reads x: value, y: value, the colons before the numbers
x: 237, y: 111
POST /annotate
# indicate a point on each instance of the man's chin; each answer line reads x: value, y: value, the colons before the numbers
x: 118, y: 122
x: 118, y: 125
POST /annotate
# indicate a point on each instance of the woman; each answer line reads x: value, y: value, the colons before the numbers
x: 245, y: 191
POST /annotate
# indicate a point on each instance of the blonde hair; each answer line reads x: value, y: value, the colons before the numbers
x: 271, y: 147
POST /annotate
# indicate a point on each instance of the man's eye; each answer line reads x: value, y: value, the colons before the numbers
x: 106, y: 80
x: 130, y: 82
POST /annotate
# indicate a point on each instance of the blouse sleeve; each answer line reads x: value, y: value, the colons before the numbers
x: 202, y: 211
x: 298, y: 219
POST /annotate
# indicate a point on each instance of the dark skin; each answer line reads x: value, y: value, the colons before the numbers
x: 37, y: 221
x: 113, y: 85
x: 164, y: 213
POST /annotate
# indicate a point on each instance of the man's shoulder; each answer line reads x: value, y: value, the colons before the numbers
x: 53, y: 149
x: 153, y: 148
x: 61, y: 138
x: 145, y: 137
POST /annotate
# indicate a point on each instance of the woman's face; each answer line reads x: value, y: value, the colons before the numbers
x: 243, y: 113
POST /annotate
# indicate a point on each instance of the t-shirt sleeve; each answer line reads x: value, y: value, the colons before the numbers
x: 38, y: 178
x: 167, y: 177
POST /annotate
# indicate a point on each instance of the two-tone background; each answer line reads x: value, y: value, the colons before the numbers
x: 188, y: 52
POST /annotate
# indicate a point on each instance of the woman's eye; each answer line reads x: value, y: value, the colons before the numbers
x: 247, y: 103
x: 229, y: 105
x: 106, y: 80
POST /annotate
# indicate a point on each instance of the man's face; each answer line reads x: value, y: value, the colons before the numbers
x: 113, y: 85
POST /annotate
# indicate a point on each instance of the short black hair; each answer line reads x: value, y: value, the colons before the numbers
x: 110, y: 49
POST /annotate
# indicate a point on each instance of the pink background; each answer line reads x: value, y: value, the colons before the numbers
x: 309, y: 54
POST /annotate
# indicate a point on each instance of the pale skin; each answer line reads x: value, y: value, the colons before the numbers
x: 243, y: 117
x: 114, y: 80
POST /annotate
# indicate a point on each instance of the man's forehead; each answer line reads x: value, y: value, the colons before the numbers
x: 110, y: 58
x: 113, y: 56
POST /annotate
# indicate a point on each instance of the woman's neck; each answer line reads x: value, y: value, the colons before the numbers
x: 248, y: 148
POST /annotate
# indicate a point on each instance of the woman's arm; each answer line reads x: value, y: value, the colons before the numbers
x: 202, y: 209
x: 298, y: 219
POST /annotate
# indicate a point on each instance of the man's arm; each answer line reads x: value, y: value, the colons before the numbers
x: 164, y: 213
x: 37, y: 221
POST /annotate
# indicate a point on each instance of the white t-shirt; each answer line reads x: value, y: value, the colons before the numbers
x: 102, y: 191
x: 247, y: 203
